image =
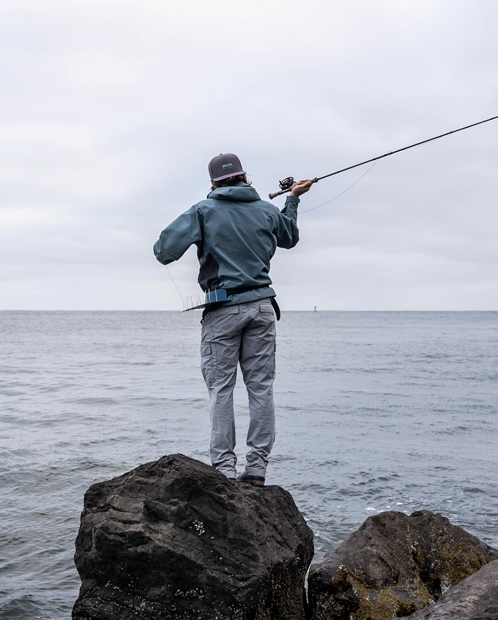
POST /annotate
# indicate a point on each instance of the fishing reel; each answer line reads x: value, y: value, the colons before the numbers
x: 286, y: 184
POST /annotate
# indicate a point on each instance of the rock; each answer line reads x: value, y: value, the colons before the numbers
x: 393, y: 566
x: 475, y: 598
x: 177, y: 539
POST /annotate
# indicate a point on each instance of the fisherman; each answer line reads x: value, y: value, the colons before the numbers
x: 236, y: 234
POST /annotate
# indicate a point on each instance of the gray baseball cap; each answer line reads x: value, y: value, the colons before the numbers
x: 224, y: 166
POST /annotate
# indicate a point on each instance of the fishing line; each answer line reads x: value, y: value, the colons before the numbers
x: 287, y: 183
x: 169, y: 273
x: 190, y: 302
x: 197, y: 299
x: 339, y: 195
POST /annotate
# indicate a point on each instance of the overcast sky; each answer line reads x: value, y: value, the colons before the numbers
x: 110, y: 112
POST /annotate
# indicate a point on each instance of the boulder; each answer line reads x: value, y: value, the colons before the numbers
x: 475, y: 598
x: 177, y: 539
x: 393, y: 566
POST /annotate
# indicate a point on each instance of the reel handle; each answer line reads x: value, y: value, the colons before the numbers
x: 275, y: 194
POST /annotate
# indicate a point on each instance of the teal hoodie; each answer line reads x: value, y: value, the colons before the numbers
x: 236, y: 234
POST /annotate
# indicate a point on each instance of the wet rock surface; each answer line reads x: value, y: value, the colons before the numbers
x: 393, y: 566
x: 177, y: 539
x: 475, y: 598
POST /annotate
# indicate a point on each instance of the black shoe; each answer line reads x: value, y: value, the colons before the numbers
x: 257, y: 481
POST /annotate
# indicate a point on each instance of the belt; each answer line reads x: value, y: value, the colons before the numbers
x: 244, y: 289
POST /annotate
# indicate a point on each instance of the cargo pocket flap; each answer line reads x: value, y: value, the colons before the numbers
x: 205, y: 349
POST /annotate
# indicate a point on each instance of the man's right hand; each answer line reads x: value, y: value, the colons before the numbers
x: 301, y: 187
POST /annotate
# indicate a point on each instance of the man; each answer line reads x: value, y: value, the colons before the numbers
x: 236, y: 234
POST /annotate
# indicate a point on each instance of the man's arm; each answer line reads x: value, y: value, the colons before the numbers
x: 176, y: 238
x: 287, y: 231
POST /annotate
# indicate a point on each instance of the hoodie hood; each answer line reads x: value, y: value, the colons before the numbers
x: 239, y: 193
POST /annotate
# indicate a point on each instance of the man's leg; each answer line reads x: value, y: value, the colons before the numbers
x: 220, y: 346
x: 257, y: 361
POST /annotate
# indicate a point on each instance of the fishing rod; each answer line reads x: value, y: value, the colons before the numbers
x: 286, y: 184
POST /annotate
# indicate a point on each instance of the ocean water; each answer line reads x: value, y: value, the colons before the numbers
x: 375, y: 411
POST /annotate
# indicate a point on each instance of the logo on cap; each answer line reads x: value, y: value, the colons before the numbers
x: 225, y: 166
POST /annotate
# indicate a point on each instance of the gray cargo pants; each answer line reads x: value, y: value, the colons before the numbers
x: 242, y: 333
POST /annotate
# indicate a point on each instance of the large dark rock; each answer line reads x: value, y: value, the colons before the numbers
x: 393, y: 566
x: 475, y: 598
x: 177, y: 539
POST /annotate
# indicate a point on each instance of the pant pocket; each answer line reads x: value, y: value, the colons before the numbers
x: 207, y: 364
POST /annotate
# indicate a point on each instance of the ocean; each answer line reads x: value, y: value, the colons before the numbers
x: 375, y: 411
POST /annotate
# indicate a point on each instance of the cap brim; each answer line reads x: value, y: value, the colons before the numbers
x: 231, y: 174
